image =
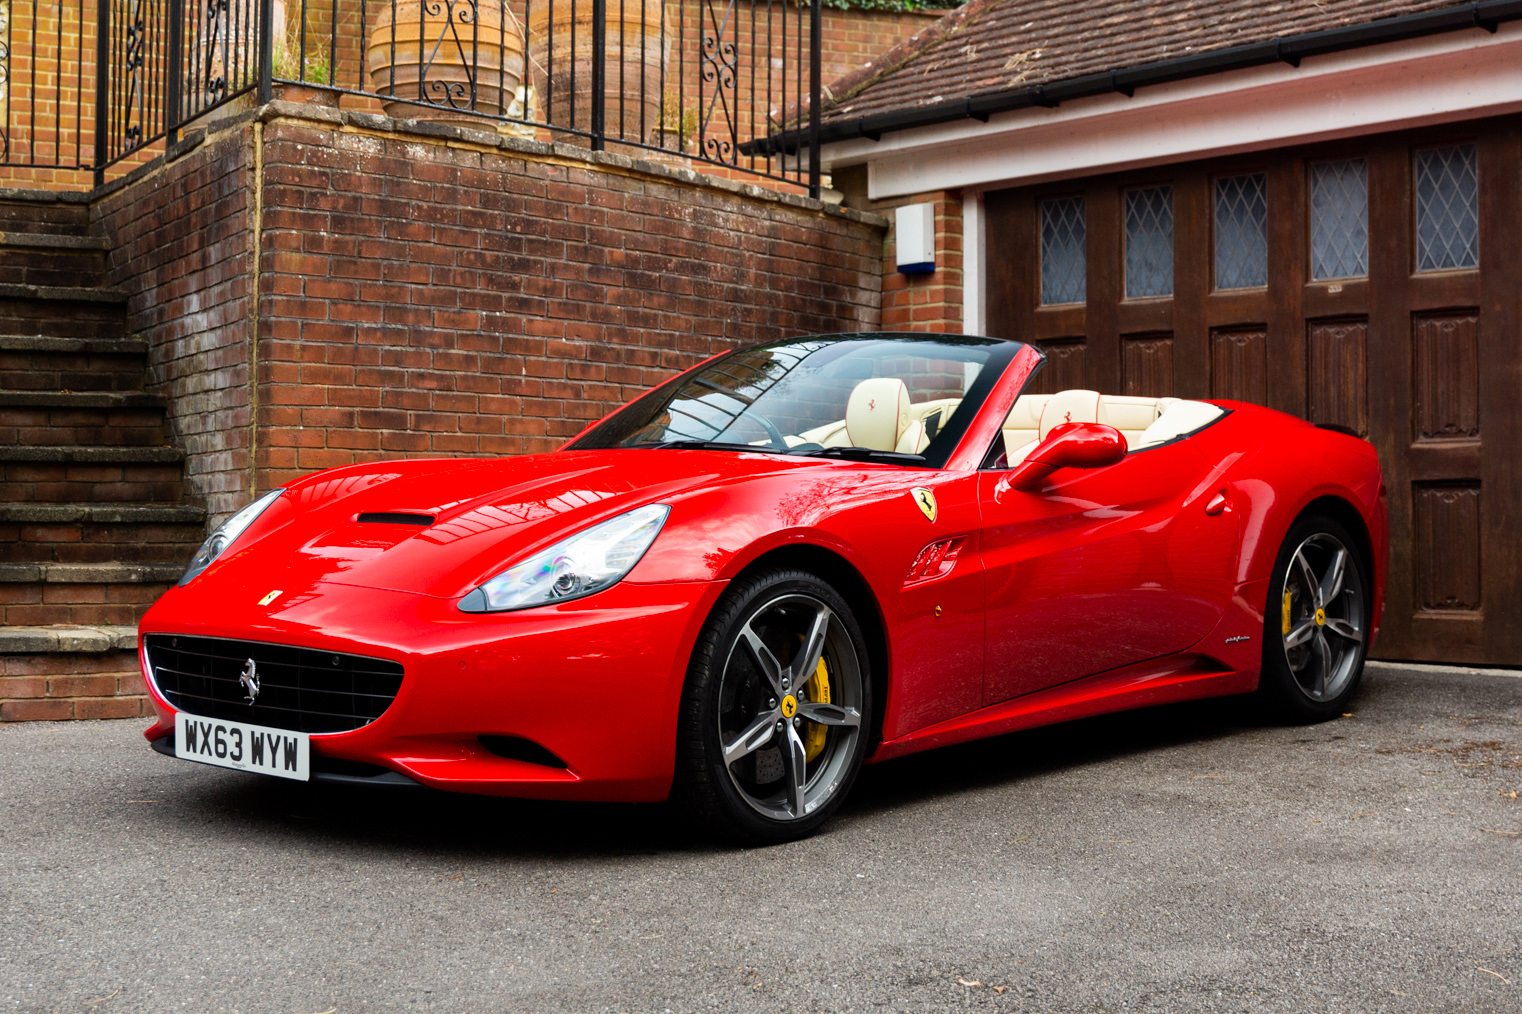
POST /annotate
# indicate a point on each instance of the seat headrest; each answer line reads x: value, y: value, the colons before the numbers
x: 1025, y: 414
x: 877, y: 413
x: 1066, y: 407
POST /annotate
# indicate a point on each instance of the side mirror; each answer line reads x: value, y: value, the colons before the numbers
x: 1071, y: 445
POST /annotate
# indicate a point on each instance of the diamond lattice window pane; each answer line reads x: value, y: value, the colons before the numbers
x: 1340, y: 219
x: 1149, y: 242
x: 1447, y: 208
x: 1241, y: 231
x: 1062, y: 251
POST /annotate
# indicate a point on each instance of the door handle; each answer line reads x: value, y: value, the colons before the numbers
x: 1219, y: 504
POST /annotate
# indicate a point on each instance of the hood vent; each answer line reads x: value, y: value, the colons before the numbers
x: 395, y: 518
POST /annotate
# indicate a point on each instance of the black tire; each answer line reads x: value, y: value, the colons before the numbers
x: 1294, y: 685
x: 729, y: 693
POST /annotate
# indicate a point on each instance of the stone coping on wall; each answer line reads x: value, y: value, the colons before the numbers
x: 351, y: 120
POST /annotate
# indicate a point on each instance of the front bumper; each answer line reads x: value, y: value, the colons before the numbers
x: 597, y: 682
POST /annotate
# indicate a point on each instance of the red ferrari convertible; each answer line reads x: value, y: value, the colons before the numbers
x: 780, y: 565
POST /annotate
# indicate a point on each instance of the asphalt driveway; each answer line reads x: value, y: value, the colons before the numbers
x: 1180, y: 859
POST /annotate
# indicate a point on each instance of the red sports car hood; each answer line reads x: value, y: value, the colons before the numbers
x: 487, y: 513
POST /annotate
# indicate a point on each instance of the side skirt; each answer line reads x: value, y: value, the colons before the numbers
x: 1159, y: 681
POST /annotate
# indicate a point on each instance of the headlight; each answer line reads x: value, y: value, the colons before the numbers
x: 587, y: 562
x: 226, y: 535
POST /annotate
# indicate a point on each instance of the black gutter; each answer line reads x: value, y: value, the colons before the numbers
x: 1290, y: 49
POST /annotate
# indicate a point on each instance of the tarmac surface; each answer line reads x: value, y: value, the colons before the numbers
x: 1181, y: 859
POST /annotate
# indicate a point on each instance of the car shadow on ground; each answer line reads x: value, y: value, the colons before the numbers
x: 464, y: 826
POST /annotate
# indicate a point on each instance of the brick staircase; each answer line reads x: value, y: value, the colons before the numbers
x: 94, y: 521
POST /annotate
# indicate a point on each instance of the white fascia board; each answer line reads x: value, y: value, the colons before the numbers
x: 1416, y: 82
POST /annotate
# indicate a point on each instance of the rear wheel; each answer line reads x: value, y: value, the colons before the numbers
x: 1316, y: 632
x: 773, y: 726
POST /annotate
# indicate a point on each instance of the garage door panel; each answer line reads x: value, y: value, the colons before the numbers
x: 1446, y: 371
x: 1449, y: 570
x: 1338, y: 373
x: 1147, y: 365
x: 1064, y: 369
x: 1239, y: 364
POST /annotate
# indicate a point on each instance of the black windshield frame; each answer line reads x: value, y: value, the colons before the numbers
x: 615, y: 429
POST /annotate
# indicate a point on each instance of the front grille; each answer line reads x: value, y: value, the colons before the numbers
x: 301, y: 689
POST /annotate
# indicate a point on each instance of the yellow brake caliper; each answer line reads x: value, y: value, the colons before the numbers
x: 1286, y: 614
x: 818, y: 691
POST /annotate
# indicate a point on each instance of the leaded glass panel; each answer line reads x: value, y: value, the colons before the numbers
x: 1447, y: 208
x: 1241, y: 231
x: 1149, y: 242
x: 1063, y: 273
x: 1340, y: 219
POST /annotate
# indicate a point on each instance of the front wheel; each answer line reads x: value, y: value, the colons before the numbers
x: 1316, y: 630
x: 774, y: 719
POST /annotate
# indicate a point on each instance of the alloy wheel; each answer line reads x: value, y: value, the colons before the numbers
x: 1322, y: 617
x: 790, y: 707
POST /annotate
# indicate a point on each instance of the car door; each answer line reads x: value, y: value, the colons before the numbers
x: 1102, y: 567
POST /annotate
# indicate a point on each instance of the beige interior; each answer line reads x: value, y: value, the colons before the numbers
x: 1144, y: 422
x: 879, y: 415
x: 919, y: 420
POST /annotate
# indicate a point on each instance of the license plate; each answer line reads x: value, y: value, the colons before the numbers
x: 243, y: 747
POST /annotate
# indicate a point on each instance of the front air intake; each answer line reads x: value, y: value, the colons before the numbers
x: 519, y: 749
x: 301, y: 689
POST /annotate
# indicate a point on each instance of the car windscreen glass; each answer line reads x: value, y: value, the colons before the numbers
x: 892, y: 397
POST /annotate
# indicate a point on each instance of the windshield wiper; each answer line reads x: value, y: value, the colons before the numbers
x: 706, y: 445
x: 864, y: 454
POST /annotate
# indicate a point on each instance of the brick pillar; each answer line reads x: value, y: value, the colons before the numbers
x: 930, y: 302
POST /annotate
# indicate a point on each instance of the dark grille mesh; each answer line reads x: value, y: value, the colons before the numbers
x: 301, y: 689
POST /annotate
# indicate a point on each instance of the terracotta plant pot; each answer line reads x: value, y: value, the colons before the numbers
x: 560, y: 55
x: 425, y: 53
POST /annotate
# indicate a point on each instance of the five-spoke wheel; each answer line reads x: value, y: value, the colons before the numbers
x: 775, y: 713
x: 1316, y: 632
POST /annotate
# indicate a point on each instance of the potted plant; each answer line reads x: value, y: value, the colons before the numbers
x: 448, y: 59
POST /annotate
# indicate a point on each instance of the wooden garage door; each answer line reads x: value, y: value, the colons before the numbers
x: 1372, y: 284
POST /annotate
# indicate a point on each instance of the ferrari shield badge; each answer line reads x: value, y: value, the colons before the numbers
x: 926, y: 501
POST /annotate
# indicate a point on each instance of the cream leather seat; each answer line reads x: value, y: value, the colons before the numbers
x: 1144, y: 422
x: 877, y: 414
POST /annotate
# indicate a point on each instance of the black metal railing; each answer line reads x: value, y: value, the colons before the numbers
x: 732, y: 83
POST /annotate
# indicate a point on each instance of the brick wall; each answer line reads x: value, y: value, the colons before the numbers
x: 435, y: 291
x: 470, y: 294
x: 182, y: 247
x: 930, y: 302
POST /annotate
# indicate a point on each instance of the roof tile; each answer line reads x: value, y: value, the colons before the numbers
x: 993, y: 45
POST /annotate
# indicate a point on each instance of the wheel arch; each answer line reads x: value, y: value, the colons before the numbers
x: 853, y: 587
x: 1349, y: 517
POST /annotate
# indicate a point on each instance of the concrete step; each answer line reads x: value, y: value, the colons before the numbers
x: 53, y: 241
x: 98, y: 418
x: 64, y: 311
x: 72, y: 364
x: 11, y: 398
x: 63, y: 212
x: 63, y: 293
x: 93, y: 455
x: 53, y: 640
x: 90, y: 573
x: 45, y: 259
x: 68, y: 475
x: 70, y: 671
x: 101, y: 514
x: 73, y: 346
x: 83, y: 533
x: 110, y: 594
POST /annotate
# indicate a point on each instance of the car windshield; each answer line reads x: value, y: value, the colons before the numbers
x: 905, y: 398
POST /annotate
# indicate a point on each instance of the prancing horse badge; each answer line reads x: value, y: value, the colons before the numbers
x: 926, y: 501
